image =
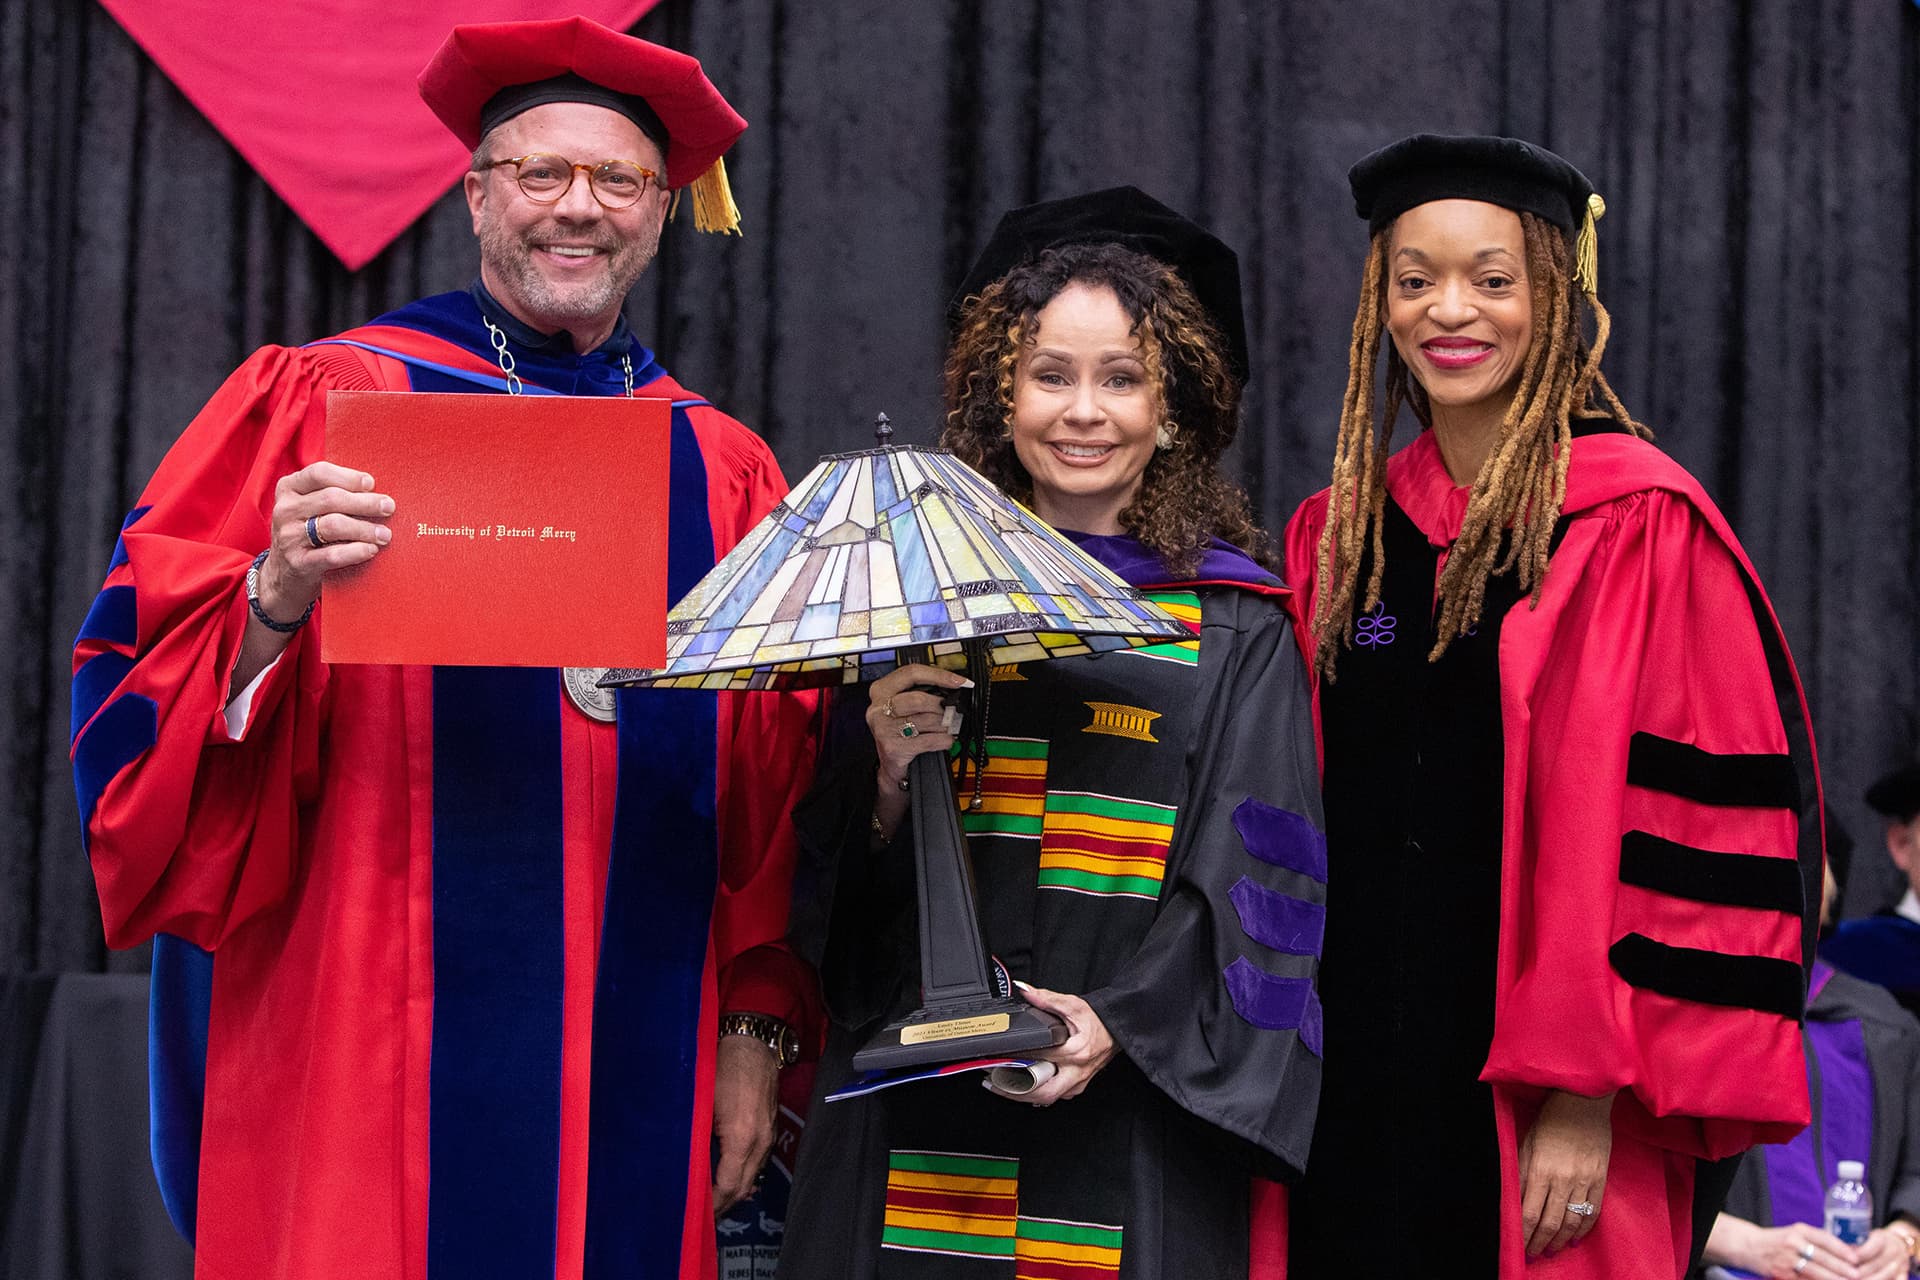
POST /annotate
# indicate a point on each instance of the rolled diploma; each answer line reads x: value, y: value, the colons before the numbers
x: 1015, y: 1081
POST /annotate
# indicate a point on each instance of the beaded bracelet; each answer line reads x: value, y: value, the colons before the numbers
x: 253, y: 601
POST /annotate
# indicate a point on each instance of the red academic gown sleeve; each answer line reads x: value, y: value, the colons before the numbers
x: 767, y: 749
x: 1652, y: 936
x: 200, y: 837
x: 1653, y: 642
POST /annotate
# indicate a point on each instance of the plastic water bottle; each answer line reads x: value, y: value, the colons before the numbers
x: 1850, y: 1204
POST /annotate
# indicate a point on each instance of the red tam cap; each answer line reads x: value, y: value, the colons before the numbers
x: 480, y: 60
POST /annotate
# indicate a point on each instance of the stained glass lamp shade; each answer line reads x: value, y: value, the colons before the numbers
x: 887, y: 549
x: 893, y: 555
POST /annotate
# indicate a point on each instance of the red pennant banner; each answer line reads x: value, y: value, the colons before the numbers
x: 320, y: 98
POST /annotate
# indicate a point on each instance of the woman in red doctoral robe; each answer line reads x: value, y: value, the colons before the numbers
x: 1565, y: 754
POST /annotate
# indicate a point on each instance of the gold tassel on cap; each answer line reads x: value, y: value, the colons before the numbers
x: 713, y: 206
x: 1586, y: 264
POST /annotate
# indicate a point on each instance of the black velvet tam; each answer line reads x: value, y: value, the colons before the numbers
x: 1129, y: 217
x: 516, y: 98
x: 1504, y: 171
x: 1897, y: 794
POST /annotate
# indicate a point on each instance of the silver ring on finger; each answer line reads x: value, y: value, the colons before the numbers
x: 909, y: 730
x: 1583, y: 1208
x: 1801, y: 1265
x: 314, y: 539
x: 1806, y: 1250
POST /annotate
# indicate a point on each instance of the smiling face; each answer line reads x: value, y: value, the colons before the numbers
x: 1459, y: 306
x: 1084, y: 410
x: 567, y: 265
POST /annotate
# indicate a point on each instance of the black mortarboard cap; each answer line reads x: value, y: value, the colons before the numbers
x: 1129, y: 217
x: 1897, y: 794
x: 1505, y: 171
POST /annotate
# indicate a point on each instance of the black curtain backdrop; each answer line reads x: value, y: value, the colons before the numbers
x: 1758, y: 160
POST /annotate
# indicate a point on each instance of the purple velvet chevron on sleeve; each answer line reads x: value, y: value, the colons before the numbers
x: 1279, y: 920
x: 1281, y: 837
x: 1275, y: 1003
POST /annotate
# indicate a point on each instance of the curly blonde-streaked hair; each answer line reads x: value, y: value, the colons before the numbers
x: 1515, y: 500
x: 1184, y: 500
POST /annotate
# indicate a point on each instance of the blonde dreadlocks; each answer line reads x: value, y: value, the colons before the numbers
x: 1516, y: 498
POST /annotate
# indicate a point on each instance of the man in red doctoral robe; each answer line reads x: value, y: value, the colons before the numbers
x: 458, y: 971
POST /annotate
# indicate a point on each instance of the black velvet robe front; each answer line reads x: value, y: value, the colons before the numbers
x: 1148, y: 1171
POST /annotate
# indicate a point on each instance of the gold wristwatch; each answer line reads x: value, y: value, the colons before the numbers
x: 768, y: 1030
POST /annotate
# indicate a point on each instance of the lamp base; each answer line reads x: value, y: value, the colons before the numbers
x: 954, y: 1031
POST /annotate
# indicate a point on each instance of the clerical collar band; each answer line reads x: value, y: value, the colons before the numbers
x: 516, y: 98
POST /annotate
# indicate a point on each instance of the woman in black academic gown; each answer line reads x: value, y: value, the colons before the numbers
x: 1147, y: 855
x: 1564, y: 751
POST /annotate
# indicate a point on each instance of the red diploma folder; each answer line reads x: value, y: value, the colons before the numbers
x: 528, y: 531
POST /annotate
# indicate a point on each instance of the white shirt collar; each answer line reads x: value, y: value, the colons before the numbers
x: 1909, y: 906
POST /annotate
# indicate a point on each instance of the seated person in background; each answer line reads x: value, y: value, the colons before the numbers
x: 1863, y: 1072
x: 1885, y: 949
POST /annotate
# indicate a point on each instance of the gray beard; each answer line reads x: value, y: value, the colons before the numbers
x: 509, y: 259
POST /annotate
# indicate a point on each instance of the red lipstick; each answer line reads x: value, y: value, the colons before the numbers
x: 1455, y: 353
